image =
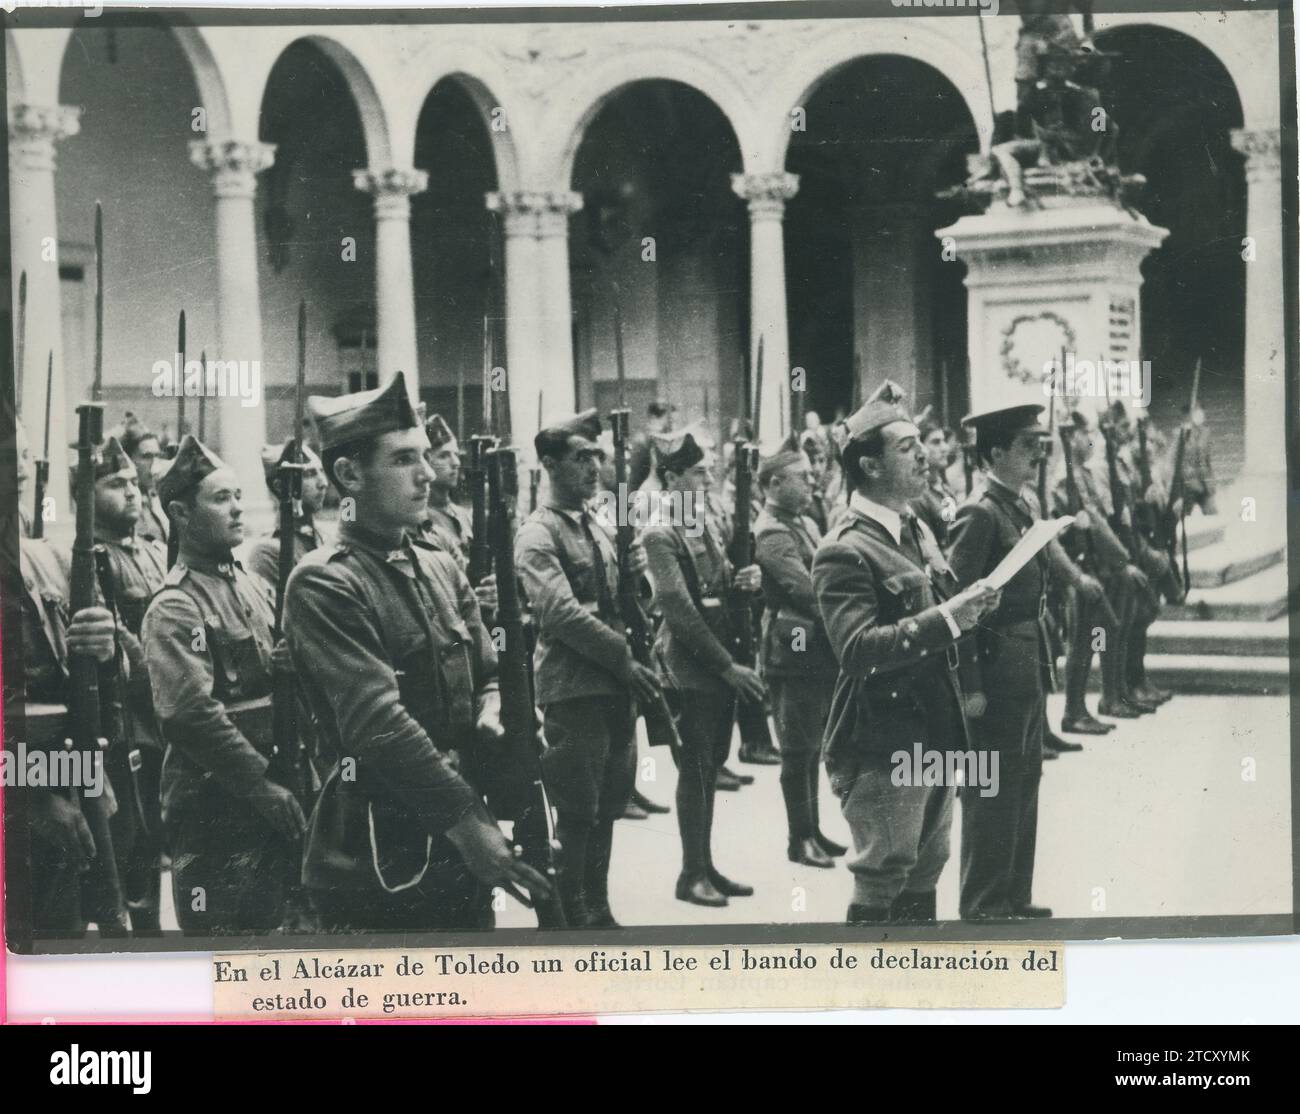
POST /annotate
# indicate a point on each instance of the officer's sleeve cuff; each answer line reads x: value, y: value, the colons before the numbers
x: 946, y: 612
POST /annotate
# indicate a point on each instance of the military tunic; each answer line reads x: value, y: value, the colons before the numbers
x: 264, y: 555
x: 798, y: 663
x: 1011, y: 670
x: 451, y: 528
x: 63, y: 901
x: 207, y: 644
x: 880, y: 587
x: 396, y: 665
x: 138, y: 566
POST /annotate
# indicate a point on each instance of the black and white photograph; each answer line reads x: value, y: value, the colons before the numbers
x: 775, y: 472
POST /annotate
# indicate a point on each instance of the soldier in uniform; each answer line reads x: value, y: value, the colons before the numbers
x: 233, y: 832
x: 1008, y: 675
x: 691, y: 576
x: 264, y: 556
x: 145, y: 450
x: 393, y: 659
x: 584, y: 672
x: 1199, y: 483
x: 449, y: 525
x: 74, y: 876
x: 136, y: 567
x: 797, y: 661
x: 893, y: 617
x: 938, y: 504
x: 1097, y: 548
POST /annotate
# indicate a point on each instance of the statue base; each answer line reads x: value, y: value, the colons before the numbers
x: 1048, y: 280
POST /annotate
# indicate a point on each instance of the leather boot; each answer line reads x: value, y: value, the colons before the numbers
x: 574, y: 837
x: 698, y: 890
x: 867, y: 914
x: 644, y: 802
x: 596, y: 877
x: 806, y: 852
x: 914, y: 908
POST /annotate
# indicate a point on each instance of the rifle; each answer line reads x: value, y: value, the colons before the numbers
x: 1177, y: 492
x: 661, y: 730
x: 480, y: 556
x: 203, y: 398
x: 289, y: 766
x: 173, y: 535
x: 741, y: 552
x: 103, y: 889
x: 42, y: 465
x: 1120, y: 521
x: 535, y: 471
x: 1074, y: 504
x: 531, y: 811
x: 20, y: 343
x: 1047, y: 456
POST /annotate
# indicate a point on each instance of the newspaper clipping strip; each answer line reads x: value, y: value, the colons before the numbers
x: 533, y: 981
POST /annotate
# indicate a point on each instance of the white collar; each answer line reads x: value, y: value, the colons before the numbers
x: 891, y: 520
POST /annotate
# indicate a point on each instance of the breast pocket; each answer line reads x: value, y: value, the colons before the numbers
x: 417, y: 683
x: 238, y: 668
x: 905, y: 593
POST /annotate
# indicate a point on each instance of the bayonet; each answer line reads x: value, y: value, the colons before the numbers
x: 757, y: 411
x: 43, y: 465
x: 203, y: 397
x: 97, y: 385
x: 180, y: 379
x: 20, y: 345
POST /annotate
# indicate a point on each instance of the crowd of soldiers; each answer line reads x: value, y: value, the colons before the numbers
x: 879, y: 630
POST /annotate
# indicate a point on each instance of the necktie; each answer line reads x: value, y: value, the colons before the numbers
x: 911, y: 539
x: 604, y: 597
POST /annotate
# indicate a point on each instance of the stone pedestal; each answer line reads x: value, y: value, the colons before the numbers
x: 1062, y: 277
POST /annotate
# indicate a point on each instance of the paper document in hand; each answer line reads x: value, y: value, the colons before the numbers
x: 1024, y: 551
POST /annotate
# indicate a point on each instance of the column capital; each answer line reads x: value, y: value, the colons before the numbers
x: 392, y: 189
x: 35, y: 128
x: 233, y: 163
x: 540, y: 214
x: 1263, y: 150
x: 766, y: 193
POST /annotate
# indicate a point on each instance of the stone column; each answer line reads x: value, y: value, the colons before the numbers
x: 241, y: 430
x: 33, y: 132
x: 891, y: 301
x: 539, y: 321
x: 1265, y: 401
x: 767, y: 195
x: 394, y: 286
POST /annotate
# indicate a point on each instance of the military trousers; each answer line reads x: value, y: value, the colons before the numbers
x: 801, y: 705
x: 590, y: 761
x: 705, y: 723
x: 999, y: 832
x: 230, y: 870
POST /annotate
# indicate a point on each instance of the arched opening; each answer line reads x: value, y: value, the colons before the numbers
x: 316, y: 232
x: 869, y: 294
x: 1176, y: 105
x: 661, y: 221
x: 457, y: 252
x: 140, y: 109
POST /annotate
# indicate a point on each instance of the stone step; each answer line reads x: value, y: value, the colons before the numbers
x: 1259, y: 597
x: 1204, y: 530
x: 1209, y: 673
x: 1238, y: 556
x: 1219, y: 638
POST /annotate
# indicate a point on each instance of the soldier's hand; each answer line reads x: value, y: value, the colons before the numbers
x: 749, y: 579
x: 279, y: 808
x: 56, y: 821
x: 1136, y: 577
x: 488, y: 723
x: 971, y: 604
x: 491, y: 859
x: 747, y: 683
x: 645, y: 683
x: 637, y: 562
x: 90, y: 633
x: 974, y: 704
x: 487, y: 593
x: 1082, y: 521
x: 108, y: 796
x: 1089, y: 588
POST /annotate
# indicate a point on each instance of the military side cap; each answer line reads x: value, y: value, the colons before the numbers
x: 363, y: 415
x: 439, y: 431
x: 275, y: 455
x: 585, y: 425
x: 927, y: 422
x: 994, y: 425
x: 112, y: 460
x: 874, y: 415
x: 776, y: 462
x: 194, y: 461
x: 680, y: 449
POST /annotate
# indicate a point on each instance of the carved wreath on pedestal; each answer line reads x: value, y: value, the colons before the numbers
x: 1030, y: 341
